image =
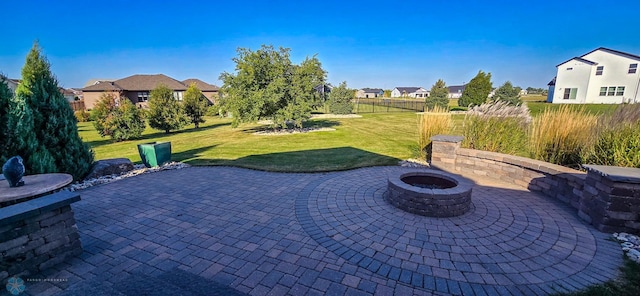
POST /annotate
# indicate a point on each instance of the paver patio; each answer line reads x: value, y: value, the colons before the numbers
x: 232, y: 231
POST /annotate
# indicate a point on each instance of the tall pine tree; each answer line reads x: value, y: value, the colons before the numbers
x: 438, y: 96
x: 5, y: 99
x: 45, y: 129
x: 477, y: 91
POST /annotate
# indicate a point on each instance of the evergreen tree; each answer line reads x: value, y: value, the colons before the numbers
x: 195, y: 105
x: 508, y: 93
x: 438, y: 96
x: 165, y: 112
x: 341, y: 99
x: 5, y: 99
x: 476, y: 91
x: 45, y: 129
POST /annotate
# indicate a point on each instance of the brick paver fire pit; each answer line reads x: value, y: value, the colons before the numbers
x: 430, y: 193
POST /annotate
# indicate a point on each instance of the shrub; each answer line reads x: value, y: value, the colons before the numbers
x: 82, y: 116
x: 165, y: 112
x: 118, y: 118
x: 436, y: 122
x: 560, y: 136
x: 341, y: 99
x: 497, y: 127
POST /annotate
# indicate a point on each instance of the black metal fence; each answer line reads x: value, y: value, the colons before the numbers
x: 388, y: 105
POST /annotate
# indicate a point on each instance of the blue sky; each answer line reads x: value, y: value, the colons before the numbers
x: 380, y: 44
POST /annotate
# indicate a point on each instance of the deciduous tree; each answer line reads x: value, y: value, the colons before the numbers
x: 341, y: 99
x: 438, y: 96
x: 195, y: 105
x: 477, y: 90
x: 266, y: 85
x: 118, y: 118
x: 166, y: 113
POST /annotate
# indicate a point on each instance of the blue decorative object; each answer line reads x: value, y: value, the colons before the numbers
x: 13, y: 170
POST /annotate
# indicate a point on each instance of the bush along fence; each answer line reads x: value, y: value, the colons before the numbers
x: 388, y: 105
x: 607, y: 197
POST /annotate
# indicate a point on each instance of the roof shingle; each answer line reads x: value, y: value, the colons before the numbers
x: 203, y: 86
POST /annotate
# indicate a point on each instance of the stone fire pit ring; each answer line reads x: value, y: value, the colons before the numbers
x: 437, y: 194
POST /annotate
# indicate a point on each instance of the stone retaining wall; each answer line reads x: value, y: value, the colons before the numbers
x: 38, y: 234
x: 570, y: 186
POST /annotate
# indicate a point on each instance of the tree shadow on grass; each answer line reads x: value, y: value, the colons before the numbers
x: 160, y: 134
x: 316, y: 160
x: 315, y: 123
x: 155, y: 135
x: 189, y: 156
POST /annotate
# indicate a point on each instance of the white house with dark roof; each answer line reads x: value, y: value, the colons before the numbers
x: 455, y: 91
x: 409, y: 92
x: 601, y: 76
x: 369, y: 93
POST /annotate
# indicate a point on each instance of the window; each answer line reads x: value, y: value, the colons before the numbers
x: 569, y: 69
x: 599, y: 70
x: 612, y: 91
x: 603, y: 91
x: 633, y: 68
x: 143, y: 96
x: 570, y: 93
x: 177, y: 95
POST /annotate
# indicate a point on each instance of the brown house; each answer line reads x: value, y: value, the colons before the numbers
x: 138, y: 87
x: 208, y: 90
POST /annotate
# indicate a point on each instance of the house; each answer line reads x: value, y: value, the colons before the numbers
x: 410, y: 92
x: 11, y: 83
x: 138, y: 87
x: 369, y: 93
x: 68, y: 94
x: 455, y: 91
x: 552, y: 86
x: 210, y: 91
x: 324, y: 90
x: 601, y: 76
x: 95, y: 81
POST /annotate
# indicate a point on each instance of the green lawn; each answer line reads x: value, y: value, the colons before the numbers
x: 374, y: 139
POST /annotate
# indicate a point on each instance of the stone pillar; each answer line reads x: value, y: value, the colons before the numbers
x: 38, y: 234
x: 444, y: 150
x: 611, y: 198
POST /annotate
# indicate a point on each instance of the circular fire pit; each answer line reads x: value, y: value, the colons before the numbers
x: 430, y: 193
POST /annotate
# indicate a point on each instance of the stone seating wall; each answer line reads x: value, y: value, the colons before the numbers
x: 602, y: 198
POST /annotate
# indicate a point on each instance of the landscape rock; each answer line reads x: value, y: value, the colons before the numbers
x: 137, y: 170
x: 107, y: 167
x: 630, y: 245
